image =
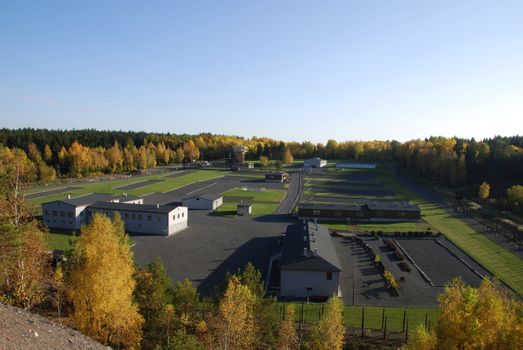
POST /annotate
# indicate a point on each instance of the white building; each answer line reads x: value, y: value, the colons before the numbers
x: 144, y: 218
x: 204, y: 202
x: 70, y: 213
x: 244, y: 209
x: 353, y: 165
x: 309, y: 264
x: 314, y: 163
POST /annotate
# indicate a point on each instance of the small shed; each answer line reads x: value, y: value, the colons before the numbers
x: 205, y: 202
x: 244, y: 209
x: 277, y: 177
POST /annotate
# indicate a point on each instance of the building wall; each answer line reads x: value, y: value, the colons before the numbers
x: 203, y: 204
x: 62, y: 215
x: 150, y: 223
x: 314, y: 163
x: 295, y: 283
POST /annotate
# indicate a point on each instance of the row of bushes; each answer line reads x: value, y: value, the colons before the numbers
x: 391, y: 281
x: 403, y: 233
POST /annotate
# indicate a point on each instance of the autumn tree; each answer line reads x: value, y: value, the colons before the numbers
x: 484, y: 191
x: 287, y: 336
x: 329, y: 333
x: 101, y: 285
x: 236, y: 329
x: 287, y: 157
x: 48, y: 154
x: 24, y: 260
x: 264, y: 162
x: 153, y: 294
x: 515, y: 197
x: 470, y: 318
x: 185, y: 298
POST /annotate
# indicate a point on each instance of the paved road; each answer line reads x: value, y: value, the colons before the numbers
x: 50, y: 192
x: 293, y: 193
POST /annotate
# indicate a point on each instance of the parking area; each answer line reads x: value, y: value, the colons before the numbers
x: 212, y: 246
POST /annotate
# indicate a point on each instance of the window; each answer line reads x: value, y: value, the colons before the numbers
x: 183, y: 214
x: 329, y: 276
x: 62, y: 213
x: 178, y: 215
x: 133, y: 216
x: 70, y: 214
x: 316, y: 212
x: 337, y: 213
x: 55, y: 213
x: 139, y: 216
x: 174, y: 217
x: 47, y: 212
x: 401, y: 213
x: 159, y: 218
x: 149, y: 217
x: 126, y: 216
x: 379, y: 213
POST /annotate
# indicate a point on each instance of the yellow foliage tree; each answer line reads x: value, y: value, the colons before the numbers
x: 287, y: 336
x: 329, y: 333
x: 484, y: 191
x: 470, y: 318
x: 236, y: 328
x: 101, y: 285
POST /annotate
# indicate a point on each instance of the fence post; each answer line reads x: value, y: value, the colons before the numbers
x: 407, y: 331
x: 385, y: 329
x: 404, y: 316
x: 362, y: 320
x: 382, y: 319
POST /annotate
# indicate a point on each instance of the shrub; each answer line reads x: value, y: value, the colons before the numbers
x: 391, y: 281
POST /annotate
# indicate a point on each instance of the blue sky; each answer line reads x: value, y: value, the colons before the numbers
x: 292, y: 70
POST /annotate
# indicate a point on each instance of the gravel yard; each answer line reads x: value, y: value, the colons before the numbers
x: 50, y: 192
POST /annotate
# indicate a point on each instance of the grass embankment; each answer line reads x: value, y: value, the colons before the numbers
x: 264, y: 202
x: 59, y: 239
x: 373, y: 315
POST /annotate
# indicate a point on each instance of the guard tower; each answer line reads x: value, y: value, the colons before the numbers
x: 239, y: 153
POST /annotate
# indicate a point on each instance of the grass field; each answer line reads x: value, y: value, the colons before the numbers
x: 386, y: 227
x: 166, y: 184
x: 264, y: 203
x: 373, y: 315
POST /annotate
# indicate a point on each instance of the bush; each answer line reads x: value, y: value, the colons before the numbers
x: 391, y: 281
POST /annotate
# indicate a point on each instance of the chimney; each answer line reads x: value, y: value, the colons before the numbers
x: 158, y: 205
x: 68, y: 196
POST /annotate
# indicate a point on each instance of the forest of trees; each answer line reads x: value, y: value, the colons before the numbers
x: 454, y: 162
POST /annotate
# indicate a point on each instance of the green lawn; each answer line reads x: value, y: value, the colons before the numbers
x: 264, y: 202
x: 57, y: 239
x: 166, y: 184
x: 267, y: 196
x: 373, y: 315
x: 385, y: 227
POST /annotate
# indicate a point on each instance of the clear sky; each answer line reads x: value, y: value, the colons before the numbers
x: 292, y: 70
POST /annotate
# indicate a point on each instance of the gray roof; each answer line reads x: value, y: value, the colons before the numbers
x: 377, y: 205
x: 331, y: 206
x: 320, y: 254
x: 125, y: 198
x: 147, y: 208
x: 85, y: 200
x: 207, y: 196
x: 390, y: 205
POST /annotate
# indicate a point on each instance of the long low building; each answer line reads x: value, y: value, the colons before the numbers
x: 376, y: 211
x: 69, y: 213
x: 204, y: 202
x: 355, y: 165
x: 309, y: 265
x: 144, y: 218
x: 314, y: 163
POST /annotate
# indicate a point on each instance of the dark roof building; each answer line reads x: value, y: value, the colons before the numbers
x: 309, y: 263
x: 373, y: 211
x: 280, y: 176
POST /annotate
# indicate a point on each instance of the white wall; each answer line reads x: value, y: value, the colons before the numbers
x: 58, y: 214
x: 203, y: 204
x: 295, y: 283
